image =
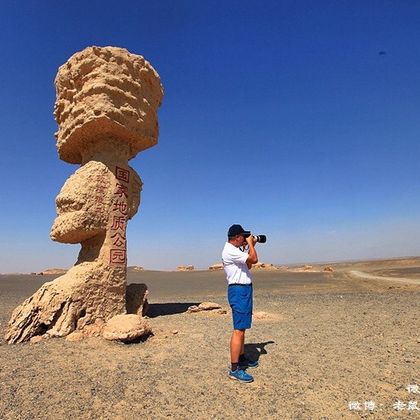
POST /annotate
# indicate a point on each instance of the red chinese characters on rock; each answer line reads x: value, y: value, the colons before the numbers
x: 118, y: 256
x: 119, y: 217
x: 122, y: 174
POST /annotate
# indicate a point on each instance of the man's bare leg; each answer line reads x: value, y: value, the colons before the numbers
x: 237, y: 345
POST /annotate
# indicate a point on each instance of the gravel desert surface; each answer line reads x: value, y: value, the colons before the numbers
x: 330, y: 345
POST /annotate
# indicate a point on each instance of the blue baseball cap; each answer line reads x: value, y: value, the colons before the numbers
x: 238, y: 230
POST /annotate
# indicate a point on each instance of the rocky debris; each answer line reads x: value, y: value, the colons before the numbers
x: 90, y: 330
x: 208, y: 306
x: 95, y: 329
x: 215, y: 267
x: 264, y: 266
x: 36, y: 339
x: 126, y: 328
x: 185, y: 268
x: 136, y: 299
x: 75, y: 336
x: 106, y: 109
x: 174, y: 332
x: 328, y: 269
x: 193, y: 308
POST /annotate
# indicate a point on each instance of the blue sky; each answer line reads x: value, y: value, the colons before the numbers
x: 279, y: 115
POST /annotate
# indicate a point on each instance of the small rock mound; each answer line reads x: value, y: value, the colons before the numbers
x: 126, y: 328
x: 329, y: 269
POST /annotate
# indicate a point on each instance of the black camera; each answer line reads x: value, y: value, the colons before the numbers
x: 262, y: 239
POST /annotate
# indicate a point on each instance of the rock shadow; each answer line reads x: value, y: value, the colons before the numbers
x: 160, y: 309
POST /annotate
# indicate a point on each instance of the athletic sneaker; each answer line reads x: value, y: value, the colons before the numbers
x: 248, y: 364
x: 240, y: 375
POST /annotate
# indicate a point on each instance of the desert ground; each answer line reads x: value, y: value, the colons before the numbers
x: 324, y: 340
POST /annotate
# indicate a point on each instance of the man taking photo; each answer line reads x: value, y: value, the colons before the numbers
x: 237, y: 265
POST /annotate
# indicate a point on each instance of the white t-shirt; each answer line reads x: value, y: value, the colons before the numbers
x: 234, y: 263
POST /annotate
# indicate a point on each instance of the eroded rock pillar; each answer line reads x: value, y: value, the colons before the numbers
x: 106, y: 108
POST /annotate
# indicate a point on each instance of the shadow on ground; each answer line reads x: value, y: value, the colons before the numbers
x: 253, y: 351
x: 161, y: 309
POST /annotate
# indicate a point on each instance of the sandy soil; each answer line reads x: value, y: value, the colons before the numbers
x: 324, y: 340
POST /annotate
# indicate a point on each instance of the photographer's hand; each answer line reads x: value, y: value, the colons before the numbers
x: 251, y: 241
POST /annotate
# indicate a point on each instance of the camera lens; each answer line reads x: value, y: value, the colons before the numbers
x: 261, y: 239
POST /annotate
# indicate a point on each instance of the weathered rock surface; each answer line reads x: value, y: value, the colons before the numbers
x: 136, y: 299
x: 104, y: 92
x: 126, y: 328
x: 106, y: 108
x: 69, y: 302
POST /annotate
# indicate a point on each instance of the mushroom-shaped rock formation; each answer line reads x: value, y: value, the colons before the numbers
x: 106, y: 109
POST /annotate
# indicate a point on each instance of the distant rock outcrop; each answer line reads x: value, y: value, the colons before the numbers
x: 264, y: 266
x: 185, y: 268
x: 215, y: 267
x: 53, y: 271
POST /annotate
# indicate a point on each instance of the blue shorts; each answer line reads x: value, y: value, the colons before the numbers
x: 240, y: 300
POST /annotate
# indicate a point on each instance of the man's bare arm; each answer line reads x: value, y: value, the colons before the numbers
x: 252, y: 254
